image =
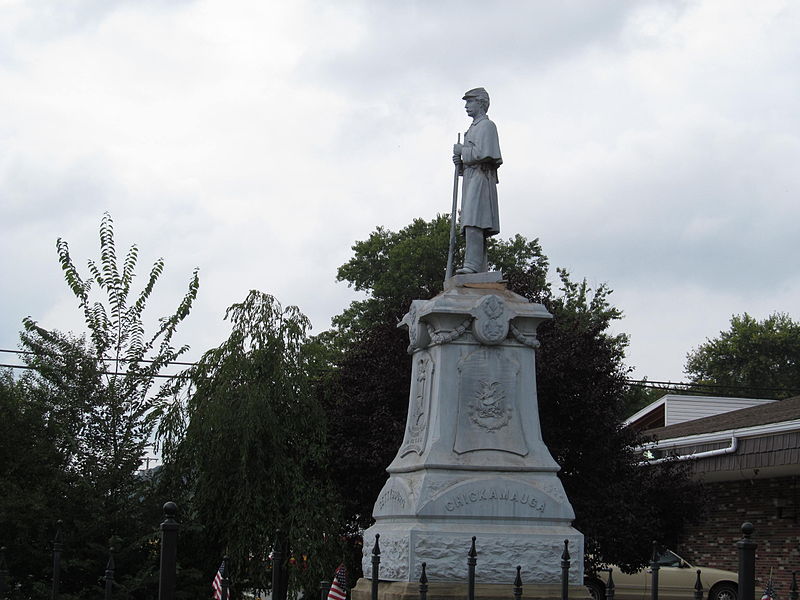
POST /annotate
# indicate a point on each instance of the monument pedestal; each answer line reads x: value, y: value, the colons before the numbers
x: 401, y: 590
x: 473, y: 462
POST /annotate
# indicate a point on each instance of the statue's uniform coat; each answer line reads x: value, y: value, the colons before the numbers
x: 481, y: 157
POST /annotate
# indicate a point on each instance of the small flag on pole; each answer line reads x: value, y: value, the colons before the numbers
x: 338, y: 589
x: 217, y: 583
x: 769, y: 590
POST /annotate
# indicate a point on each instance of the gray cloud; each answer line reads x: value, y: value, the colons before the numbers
x: 652, y: 145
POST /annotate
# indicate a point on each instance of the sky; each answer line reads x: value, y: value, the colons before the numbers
x: 652, y: 146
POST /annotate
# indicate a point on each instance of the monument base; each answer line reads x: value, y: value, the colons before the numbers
x: 402, y: 590
x: 501, y: 546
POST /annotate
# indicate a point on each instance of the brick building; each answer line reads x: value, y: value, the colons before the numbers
x: 749, y: 463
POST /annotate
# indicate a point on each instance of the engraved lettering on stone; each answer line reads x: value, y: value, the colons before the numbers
x: 489, y: 408
x: 391, y: 496
x: 463, y: 499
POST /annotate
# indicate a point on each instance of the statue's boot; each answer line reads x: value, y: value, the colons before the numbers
x: 474, y: 255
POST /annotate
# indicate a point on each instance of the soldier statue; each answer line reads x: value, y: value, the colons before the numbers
x: 477, y: 160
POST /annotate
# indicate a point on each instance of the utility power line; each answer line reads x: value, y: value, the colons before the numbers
x: 643, y: 383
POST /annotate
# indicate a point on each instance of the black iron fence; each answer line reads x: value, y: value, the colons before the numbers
x: 746, y: 548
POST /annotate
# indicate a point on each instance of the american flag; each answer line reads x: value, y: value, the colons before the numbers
x: 769, y: 590
x: 217, y: 583
x: 338, y: 589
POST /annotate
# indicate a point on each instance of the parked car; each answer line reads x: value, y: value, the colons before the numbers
x: 676, y: 581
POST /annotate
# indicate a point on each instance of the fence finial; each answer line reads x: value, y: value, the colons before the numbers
x: 518, y: 583
x: 471, y: 562
x: 58, y: 546
x: 109, y: 578
x: 3, y: 571
x: 565, y: 564
x: 747, y: 563
x: 376, y: 561
x: 654, y: 567
x: 698, y: 587
x: 169, y: 553
x: 610, y: 587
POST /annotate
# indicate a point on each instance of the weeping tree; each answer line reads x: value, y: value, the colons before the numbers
x: 246, y: 446
x: 99, y: 396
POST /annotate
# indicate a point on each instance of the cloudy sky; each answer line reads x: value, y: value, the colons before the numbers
x: 654, y: 146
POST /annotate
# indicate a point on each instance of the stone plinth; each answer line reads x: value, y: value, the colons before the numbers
x: 399, y: 590
x: 472, y: 462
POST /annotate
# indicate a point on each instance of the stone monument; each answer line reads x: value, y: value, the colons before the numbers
x: 472, y: 462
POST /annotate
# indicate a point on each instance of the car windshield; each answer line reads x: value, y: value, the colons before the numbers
x: 669, y: 559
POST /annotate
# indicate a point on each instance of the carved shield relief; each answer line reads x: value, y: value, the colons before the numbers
x: 488, y: 404
x: 491, y: 321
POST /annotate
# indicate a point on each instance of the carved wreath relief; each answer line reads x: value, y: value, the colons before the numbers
x: 419, y: 406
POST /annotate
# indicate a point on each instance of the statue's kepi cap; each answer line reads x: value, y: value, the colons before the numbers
x: 479, y: 93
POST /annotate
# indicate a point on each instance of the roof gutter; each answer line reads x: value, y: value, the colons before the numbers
x: 734, y: 444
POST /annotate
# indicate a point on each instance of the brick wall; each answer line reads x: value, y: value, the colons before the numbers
x: 712, y: 543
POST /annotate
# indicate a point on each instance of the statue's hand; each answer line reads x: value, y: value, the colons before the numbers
x: 457, y: 148
x: 457, y: 160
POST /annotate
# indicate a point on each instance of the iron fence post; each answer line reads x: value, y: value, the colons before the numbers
x: 109, y: 578
x: 610, y: 587
x: 747, y: 563
x: 58, y: 546
x: 3, y: 573
x: 565, y: 571
x: 169, y: 553
x: 518, y: 584
x: 324, y: 586
x: 654, y: 567
x: 472, y: 560
x: 423, y: 583
x: 698, y: 587
x: 376, y: 561
x: 793, y: 587
x: 277, y: 567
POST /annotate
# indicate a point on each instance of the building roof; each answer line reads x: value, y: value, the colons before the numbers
x: 672, y: 409
x: 773, y: 412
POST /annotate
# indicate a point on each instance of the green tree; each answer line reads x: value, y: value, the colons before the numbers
x: 643, y: 393
x: 581, y: 380
x: 247, y: 444
x: 98, y: 399
x: 34, y: 476
x: 753, y: 358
